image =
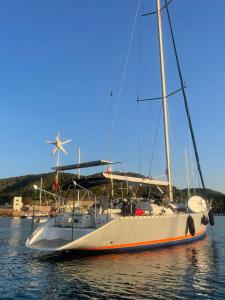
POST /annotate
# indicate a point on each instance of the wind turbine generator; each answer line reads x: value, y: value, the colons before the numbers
x: 58, y: 147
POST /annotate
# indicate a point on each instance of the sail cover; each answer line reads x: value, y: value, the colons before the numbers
x: 104, y: 178
x: 135, y: 180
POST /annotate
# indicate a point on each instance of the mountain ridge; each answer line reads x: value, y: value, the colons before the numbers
x: 23, y: 186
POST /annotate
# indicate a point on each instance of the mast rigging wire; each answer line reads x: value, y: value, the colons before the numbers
x: 138, y: 139
x: 125, y: 67
x: 110, y: 127
x: 143, y: 62
x: 140, y: 50
x: 138, y: 92
x: 185, y: 99
x: 155, y: 140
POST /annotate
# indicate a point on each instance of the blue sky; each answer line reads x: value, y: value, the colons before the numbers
x: 60, y: 60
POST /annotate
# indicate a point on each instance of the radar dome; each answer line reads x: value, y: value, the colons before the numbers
x: 197, y: 204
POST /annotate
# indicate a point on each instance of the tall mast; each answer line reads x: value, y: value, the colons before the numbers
x: 78, y: 192
x: 40, y: 195
x: 165, y: 114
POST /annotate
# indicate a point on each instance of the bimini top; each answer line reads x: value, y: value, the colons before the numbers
x: 88, y: 164
x: 86, y: 182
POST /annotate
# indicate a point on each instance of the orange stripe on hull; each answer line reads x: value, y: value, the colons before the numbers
x: 179, y: 238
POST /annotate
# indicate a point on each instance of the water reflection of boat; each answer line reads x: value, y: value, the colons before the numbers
x: 132, y: 223
x: 162, y: 274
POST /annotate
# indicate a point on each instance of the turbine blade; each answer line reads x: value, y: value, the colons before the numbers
x: 67, y: 141
x: 58, y: 137
x: 52, y: 143
x: 54, y: 150
x: 62, y: 149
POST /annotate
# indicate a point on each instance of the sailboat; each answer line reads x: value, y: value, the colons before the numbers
x: 128, y: 223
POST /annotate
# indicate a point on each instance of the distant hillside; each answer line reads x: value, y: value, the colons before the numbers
x: 23, y: 186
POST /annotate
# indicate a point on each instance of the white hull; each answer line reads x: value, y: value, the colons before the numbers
x: 119, y: 233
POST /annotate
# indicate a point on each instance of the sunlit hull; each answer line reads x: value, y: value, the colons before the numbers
x: 120, y: 233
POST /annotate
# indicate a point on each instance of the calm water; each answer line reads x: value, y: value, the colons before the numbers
x: 190, y: 271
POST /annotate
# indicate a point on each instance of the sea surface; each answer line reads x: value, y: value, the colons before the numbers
x: 191, y: 271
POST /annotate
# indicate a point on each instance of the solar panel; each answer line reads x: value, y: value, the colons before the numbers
x: 89, y: 164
